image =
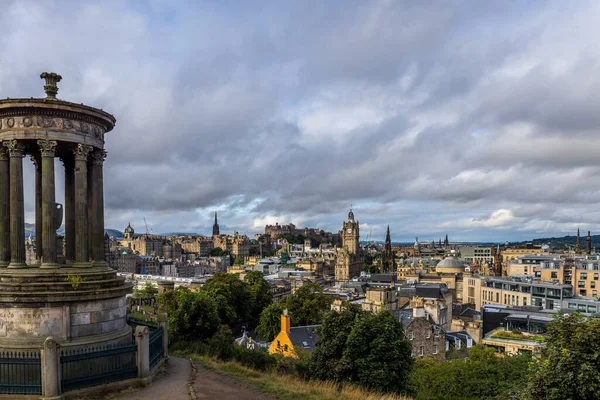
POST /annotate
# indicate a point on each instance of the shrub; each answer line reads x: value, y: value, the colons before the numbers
x: 256, y: 359
x: 221, y: 344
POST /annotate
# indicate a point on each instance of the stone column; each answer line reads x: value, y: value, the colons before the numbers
x: 81, y: 206
x: 16, y: 152
x: 142, y: 340
x: 37, y: 162
x: 47, y: 151
x: 68, y: 162
x: 96, y: 215
x: 163, y: 322
x: 4, y: 208
x: 50, y: 359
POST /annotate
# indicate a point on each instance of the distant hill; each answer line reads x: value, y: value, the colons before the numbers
x: 563, y: 241
x: 179, y: 234
x: 30, y: 230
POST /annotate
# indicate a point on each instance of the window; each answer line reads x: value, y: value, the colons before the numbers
x: 595, y: 293
x: 592, y: 284
x: 421, y: 349
x: 428, y: 334
x: 554, y: 275
x: 411, y: 335
x: 285, y: 347
x: 524, y: 301
x: 572, y: 306
x: 435, y: 351
x: 580, y: 284
x: 583, y: 275
x: 278, y: 344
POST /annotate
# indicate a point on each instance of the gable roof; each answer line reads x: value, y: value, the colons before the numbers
x: 304, y: 336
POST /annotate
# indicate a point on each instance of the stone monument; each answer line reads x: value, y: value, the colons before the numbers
x: 75, y: 298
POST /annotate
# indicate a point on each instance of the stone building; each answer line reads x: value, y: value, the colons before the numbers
x: 236, y: 245
x: 147, y: 265
x: 123, y: 260
x: 199, y: 245
x: 42, y: 302
x: 349, y: 261
x: 380, y: 298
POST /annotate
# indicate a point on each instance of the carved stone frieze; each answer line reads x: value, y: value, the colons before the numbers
x: 10, y: 122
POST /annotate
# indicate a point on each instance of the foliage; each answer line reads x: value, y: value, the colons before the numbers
x: 75, y: 281
x: 147, y: 292
x: 261, y: 293
x: 259, y: 360
x: 233, y: 298
x: 482, y: 375
x: 221, y: 344
x: 570, y: 368
x: 192, y: 315
x: 270, y: 322
x: 333, y: 335
x: 307, y: 305
x: 239, y: 261
x: 371, y: 269
x: 518, y: 335
x: 218, y: 252
x: 377, y: 356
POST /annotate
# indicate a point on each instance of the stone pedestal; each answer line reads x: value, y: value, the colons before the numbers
x: 50, y: 358
x: 142, y: 340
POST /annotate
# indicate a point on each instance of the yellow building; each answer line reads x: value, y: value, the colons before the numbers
x: 380, y: 298
x: 282, y: 344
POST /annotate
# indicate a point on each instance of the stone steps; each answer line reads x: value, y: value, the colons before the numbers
x: 53, y: 295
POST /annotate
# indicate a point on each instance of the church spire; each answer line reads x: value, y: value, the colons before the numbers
x: 216, y: 226
x: 588, y: 243
x: 578, y: 243
x: 388, y: 239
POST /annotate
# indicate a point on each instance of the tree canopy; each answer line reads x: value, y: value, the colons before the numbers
x: 233, y: 297
x: 261, y: 293
x: 192, y: 315
x: 570, y: 368
x: 148, y: 291
x: 270, y: 322
x: 307, y: 305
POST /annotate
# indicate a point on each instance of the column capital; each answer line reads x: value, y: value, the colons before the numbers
x: 15, y: 148
x: 98, y: 156
x: 47, y: 147
x: 3, y: 153
x: 81, y: 152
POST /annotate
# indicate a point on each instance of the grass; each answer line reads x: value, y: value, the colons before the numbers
x: 286, y: 387
x: 519, y: 336
x: 142, y: 318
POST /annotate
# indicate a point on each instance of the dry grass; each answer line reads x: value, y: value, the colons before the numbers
x: 285, y: 387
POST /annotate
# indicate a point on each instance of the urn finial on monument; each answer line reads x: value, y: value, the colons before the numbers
x: 51, y: 87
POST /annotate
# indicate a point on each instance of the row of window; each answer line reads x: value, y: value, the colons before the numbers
x: 583, y: 307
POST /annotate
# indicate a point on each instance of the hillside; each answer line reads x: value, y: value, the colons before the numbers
x: 564, y: 241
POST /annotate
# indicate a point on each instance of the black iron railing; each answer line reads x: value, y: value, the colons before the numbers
x: 20, y: 372
x: 97, y: 365
x: 156, y: 346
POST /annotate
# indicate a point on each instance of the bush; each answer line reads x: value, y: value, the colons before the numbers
x: 259, y: 360
x: 221, y: 344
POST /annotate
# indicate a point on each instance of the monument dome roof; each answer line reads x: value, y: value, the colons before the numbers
x: 450, y: 262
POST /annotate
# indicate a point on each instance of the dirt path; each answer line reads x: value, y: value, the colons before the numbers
x: 210, y: 385
x: 174, y: 384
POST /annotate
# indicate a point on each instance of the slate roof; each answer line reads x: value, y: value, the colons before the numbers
x: 304, y: 336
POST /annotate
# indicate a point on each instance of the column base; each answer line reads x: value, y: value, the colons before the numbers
x: 17, y: 265
x: 101, y: 264
x: 85, y: 264
x: 4, y: 264
x: 50, y: 265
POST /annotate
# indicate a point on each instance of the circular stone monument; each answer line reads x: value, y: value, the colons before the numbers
x: 73, y: 297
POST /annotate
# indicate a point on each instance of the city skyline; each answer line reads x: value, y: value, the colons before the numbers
x: 244, y: 110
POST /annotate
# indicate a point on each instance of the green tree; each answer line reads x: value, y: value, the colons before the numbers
x: 233, y: 297
x: 307, y: 305
x: 192, y: 315
x: 482, y: 375
x: 570, y: 368
x: 147, y: 292
x: 261, y: 292
x: 270, y: 322
x: 217, y: 252
x: 377, y: 356
x: 333, y: 335
x: 239, y: 261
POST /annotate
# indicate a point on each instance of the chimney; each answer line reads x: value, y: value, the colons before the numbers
x: 285, y: 322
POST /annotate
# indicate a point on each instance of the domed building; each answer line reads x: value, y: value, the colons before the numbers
x: 450, y: 265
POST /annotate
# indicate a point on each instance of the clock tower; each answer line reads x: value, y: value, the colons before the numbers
x: 350, y: 234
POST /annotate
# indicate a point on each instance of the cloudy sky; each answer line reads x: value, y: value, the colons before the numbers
x: 480, y: 119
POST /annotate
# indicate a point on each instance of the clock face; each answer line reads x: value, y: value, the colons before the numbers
x: 349, y: 230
